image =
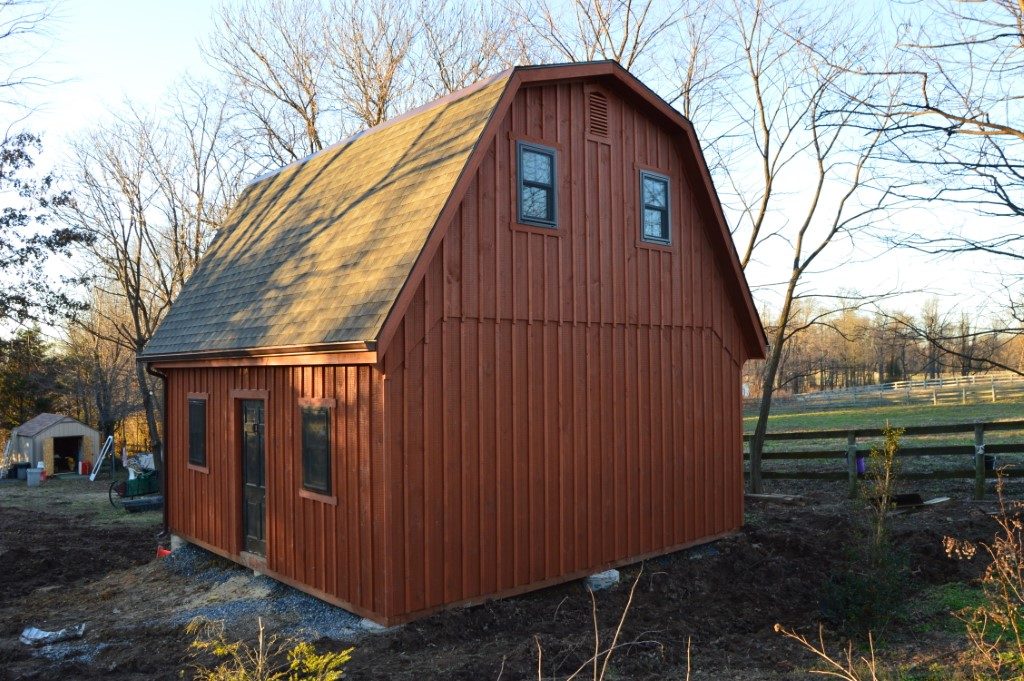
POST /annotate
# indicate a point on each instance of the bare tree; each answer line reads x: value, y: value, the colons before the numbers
x: 102, y: 371
x: 21, y: 21
x: 463, y: 43
x: 960, y: 117
x: 275, y: 61
x: 627, y: 31
x: 151, y: 197
x: 368, y: 48
x: 958, y: 131
x: 303, y: 75
x: 803, y: 125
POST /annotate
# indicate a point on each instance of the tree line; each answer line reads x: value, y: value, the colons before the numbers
x: 854, y: 348
x: 821, y: 125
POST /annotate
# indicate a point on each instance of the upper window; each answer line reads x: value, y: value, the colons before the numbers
x: 536, y: 185
x: 655, y: 213
x: 316, y: 449
x: 197, y: 432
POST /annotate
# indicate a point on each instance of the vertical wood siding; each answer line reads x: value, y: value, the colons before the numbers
x: 336, y: 550
x: 553, y: 400
x: 561, y: 400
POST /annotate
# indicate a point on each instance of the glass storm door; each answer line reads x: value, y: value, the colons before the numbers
x: 254, y: 488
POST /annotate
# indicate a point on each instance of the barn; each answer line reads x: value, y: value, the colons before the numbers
x: 58, y: 441
x: 490, y: 345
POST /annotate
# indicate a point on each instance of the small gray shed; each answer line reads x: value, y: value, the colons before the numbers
x: 55, y: 439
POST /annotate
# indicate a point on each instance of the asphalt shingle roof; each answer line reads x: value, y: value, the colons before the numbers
x: 38, y: 424
x: 318, y: 252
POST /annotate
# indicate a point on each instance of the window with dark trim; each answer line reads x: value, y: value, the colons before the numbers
x: 316, y: 449
x: 537, y: 199
x: 654, y: 208
x: 197, y: 432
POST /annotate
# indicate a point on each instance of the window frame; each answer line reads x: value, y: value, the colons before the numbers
x: 521, y: 183
x: 192, y: 462
x: 666, y: 211
x: 306, y: 490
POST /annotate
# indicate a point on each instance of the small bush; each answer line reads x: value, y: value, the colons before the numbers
x: 995, y: 628
x: 869, y: 593
x: 269, y: 659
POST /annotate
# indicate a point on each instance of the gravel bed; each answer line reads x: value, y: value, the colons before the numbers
x: 301, y: 614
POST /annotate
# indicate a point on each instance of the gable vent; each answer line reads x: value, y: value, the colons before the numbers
x: 598, y: 114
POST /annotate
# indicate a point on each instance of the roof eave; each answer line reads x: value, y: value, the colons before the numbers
x: 348, y: 352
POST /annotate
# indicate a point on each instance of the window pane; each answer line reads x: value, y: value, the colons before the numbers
x: 535, y: 203
x: 197, y: 432
x: 316, y: 449
x: 536, y: 167
x: 654, y: 223
x: 655, y: 192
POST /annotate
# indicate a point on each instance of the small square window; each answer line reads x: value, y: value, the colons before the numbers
x: 654, y: 192
x: 197, y: 432
x: 316, y: 449
x: 537, y: 200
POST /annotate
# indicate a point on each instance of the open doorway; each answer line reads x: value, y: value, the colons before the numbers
x: 66, y: 452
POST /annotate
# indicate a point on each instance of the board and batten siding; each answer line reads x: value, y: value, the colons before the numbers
x: 332, y: 550
x: 561, y: 400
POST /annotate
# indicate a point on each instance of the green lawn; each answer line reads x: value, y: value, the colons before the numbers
x: 900, y: 416
x: 72, y: 496
x: 896, y: 415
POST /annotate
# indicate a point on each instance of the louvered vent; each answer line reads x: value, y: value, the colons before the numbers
x: 598, y: 114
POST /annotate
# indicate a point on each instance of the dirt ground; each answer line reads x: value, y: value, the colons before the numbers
x: 66, y: 558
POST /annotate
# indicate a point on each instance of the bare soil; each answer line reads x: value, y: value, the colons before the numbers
x: 71, y: 562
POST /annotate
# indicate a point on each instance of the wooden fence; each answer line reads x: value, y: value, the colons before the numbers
x: 854, y: 448
x: 974, y: 389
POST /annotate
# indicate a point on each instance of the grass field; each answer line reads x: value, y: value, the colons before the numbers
x: 899, y: 416
x: 72, y: 496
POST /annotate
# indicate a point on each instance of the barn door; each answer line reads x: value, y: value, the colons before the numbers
x: 254, y: 488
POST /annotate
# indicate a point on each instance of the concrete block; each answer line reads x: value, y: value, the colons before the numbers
x: 602, y: 580
x: 177, y: 542
x: 366, y: 624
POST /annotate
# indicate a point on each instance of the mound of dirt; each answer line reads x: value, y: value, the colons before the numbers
x: 41, y: 550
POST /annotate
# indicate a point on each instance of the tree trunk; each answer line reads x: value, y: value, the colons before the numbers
x: 149, y: 404
x: 771, y: 369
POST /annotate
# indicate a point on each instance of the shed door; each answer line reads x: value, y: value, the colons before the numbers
x: 254, y: 488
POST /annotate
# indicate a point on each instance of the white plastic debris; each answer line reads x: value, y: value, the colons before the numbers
x: 37, y: 637
x: 602, y: 580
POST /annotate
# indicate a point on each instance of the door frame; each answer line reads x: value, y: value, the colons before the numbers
x: 238, y: 515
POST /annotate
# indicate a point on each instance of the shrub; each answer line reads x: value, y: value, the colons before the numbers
x: 269, y: 659
x: 868, y: 594
x: 995, y: 628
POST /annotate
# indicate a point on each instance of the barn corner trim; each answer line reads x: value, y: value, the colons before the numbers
x: 754, y: 333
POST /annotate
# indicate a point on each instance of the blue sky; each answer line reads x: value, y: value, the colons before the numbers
x: 103, y: 52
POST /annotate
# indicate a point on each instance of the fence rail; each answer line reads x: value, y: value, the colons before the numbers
x: 852, y: 451
x: 972, y: 389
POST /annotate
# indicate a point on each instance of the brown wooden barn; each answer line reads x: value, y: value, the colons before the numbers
x: 485, y: 347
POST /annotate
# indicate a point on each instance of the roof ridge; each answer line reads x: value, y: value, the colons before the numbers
x: 423, y: 108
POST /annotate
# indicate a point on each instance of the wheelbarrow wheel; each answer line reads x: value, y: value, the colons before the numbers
x: 118, y: 489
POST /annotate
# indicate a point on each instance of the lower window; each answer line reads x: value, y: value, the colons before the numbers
x: 316, y: 449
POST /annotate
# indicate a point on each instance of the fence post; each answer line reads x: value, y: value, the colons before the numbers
x: 851, y: 461
x: 979, y: 461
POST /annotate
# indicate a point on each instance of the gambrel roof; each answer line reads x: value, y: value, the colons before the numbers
x: 325, y: 253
